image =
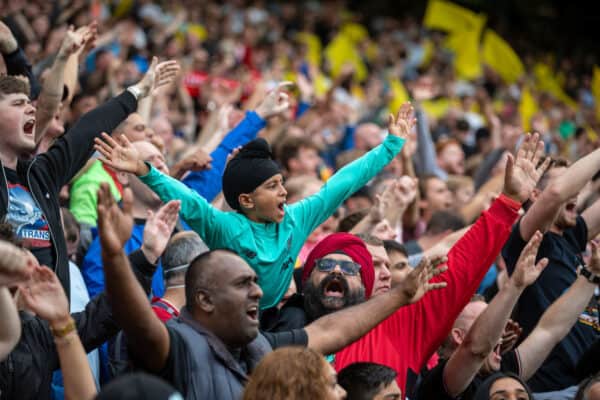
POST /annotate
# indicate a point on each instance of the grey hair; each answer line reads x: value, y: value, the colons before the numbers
x: 182, y: 249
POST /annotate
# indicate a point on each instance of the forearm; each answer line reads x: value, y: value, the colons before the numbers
x: 144, y: 108
x: 425, y: 148
x: 77, y: 375
x: 578, y: 174
x: 10, y: 329
x: 130, y: 305
x: 335, y: 331
x: 50, y: 96
x: 365, y: 225
x: 485, y: 333
x: 554, y: 325
x: 71, y: 76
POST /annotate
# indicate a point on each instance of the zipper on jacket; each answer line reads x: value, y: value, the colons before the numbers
x: 7, y: 193
x: 47, y: 218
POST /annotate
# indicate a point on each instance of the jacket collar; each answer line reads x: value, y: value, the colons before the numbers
x: 250, y: 354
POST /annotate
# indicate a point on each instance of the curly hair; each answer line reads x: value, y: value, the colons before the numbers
x: 289, y: 373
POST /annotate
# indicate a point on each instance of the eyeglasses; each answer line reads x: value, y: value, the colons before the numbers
x: 327, y: 265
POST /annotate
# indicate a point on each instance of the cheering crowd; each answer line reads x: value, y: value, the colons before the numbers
x: 255, y: 200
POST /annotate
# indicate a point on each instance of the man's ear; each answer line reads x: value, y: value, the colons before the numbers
x: 457, y: 336
x: 535, y: 193
x: 123, y: 178
x: 204, y: 301
x: 246, y: 201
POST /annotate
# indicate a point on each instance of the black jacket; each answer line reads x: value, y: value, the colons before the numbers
x: 45, y: 174
x: 26, y: 374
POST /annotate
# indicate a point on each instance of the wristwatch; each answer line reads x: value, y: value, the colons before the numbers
x: 135, y: 91
x: 589, y: 275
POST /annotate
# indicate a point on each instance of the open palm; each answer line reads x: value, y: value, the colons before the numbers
x: 43, y: 294
x: 526, y: 270
x: 416, y: 284
x: 114, y: 224
x: 403, y: 123
x: 522, y: 175
x: 121, y: 156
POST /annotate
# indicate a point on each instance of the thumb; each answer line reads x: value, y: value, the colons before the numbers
x: 153, y: 64
x: 510, y: 163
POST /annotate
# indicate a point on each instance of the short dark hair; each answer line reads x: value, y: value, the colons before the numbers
x: 423, y: 184
x: 351, y: 220
x: 442, y: 221
x: 290, y: 147
x: 363, y: 380
x: 200, y: 275
x: 11, y: 85
x: 392, y: 245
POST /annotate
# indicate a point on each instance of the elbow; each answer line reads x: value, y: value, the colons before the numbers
x: 478, y: 349
x: 554, y: 194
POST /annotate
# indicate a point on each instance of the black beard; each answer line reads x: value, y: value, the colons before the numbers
x: 316, y: 304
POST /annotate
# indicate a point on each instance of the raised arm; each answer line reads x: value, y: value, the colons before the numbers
x: 45, y: 296
x: 486, y: 331
x: 53, y: 87
x: 337, y: 330
x: 15, y: 60
x: 130, y: 305
x: 71, y: 151
x: 315, y: 209
x: 473, y: 254
x: 206, y: 220
x: 543, y: 211
x: 557, y: 321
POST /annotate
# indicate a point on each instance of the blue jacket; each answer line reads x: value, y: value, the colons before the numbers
x: 93, y: 272
x: 208, y: 183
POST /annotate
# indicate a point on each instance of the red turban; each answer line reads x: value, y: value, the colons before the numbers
x: 350, y: 245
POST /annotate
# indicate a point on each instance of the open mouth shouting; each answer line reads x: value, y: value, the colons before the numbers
x: 334, y: 288
x: 29, y: 126
x: 252, y: 313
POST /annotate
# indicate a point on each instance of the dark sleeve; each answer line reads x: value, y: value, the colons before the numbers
x: 17, y: 64
x: 588, y: 364
x: 296, y: 337
x: 176, y: 366
x: 513, y: 247
x: 432, y: 386
x: 143, y: 269
x: 71, y: 151
x: 95, y: 324
x: 580, y: 233
x: 511, y: 362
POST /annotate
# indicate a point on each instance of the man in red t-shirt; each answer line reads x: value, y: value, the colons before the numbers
x: 410, y: 336
x: 181, y: 250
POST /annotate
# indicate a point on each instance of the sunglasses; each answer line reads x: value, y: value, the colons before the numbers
x: 348, y: 267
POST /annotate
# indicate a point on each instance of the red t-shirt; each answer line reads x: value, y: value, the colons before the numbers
x: 409, y: 337
x: 163, y: 309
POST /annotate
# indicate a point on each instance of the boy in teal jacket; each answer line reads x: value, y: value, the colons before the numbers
x: 264, y: 231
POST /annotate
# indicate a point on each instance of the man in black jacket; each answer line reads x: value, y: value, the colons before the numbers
x: 29, y: 187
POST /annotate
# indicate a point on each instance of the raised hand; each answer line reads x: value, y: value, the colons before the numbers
x: 8, y: 43
x: 114, y: 224
x: 232, y: 155
x: 43, y: 294
x: 510, y: 336
x: 521, y: 174
x: 527, y: 271
x: 72, y: 42
x: 404, y: 122
x: 158, y: 75
x: 275, y: 102
x: 416, y: 284
x: 158, y: 229
x: 16, y: 266
x: 89, y: 34
x: 119, y: 156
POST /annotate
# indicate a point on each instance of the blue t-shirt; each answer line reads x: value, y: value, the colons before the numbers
x: 564, y: 256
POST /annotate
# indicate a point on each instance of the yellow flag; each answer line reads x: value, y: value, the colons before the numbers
x: 341, y: 51
x: 546, y: 82
x: 465, y: 45
x: 355, y: 32
x: 399, y: 95
x: 501, y: 57
x: 527, y: 107
x: 447, y: 16
x: 313, y: 47
x: 596, y: 88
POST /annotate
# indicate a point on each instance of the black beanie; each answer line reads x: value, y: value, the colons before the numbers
x: 248, y: 170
